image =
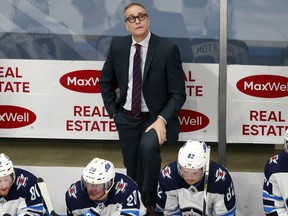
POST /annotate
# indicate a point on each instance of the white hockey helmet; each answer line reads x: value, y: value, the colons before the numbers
x: 286, y: 141
x: 98, y: 171
x: 6, y: 165
x: 192, y: 155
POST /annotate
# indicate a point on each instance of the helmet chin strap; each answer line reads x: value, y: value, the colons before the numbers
x: 108, y: 185
x: 103, y: 197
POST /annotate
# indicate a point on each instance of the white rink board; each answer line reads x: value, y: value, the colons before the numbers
x: 248, y: 187
x: 62, y: 100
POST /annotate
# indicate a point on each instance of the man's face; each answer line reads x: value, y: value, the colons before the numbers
x: 95, y: 191
x: 5, y: 185
x: 138, y: 29
x: 191, y: 176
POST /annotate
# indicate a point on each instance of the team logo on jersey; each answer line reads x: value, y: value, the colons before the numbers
x: 274, y: 159
x: 166, y: 172
x: 192, y: 189
x: 21, y: 181
x: 120, y: 186
x: 220, y: 175
x: 72, y: 191
x: 2, y: 201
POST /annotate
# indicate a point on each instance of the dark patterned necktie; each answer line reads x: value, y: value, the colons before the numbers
x: 137, y: 77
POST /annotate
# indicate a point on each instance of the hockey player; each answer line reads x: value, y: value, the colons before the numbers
x: 102, y: 191
x: 181, y: 185
x: 275, y: 187
x: 19, y: 191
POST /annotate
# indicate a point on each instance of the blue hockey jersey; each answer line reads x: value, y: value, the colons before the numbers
x: 123, y: 197
x: 24, y: 197
x: 275, y: 187
x: 177, y: 198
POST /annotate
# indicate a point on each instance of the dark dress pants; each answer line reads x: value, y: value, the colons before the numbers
x: 141, y: 153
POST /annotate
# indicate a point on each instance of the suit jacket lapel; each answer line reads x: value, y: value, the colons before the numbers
x: 150, y: 54
x: 125, y: 61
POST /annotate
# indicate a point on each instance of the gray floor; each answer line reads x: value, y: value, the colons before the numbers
x: 77, y: 153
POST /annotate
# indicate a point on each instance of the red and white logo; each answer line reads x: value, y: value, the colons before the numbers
x: 166, y: 172
x: 190, y: 120
x: 85, y: 81
x: 72, y: 191
x: 120, y: 186
x: 15, y: 117
x: 264, y: 86
x: 21, y: 181
x: 220, y: 174
x: 274, y: 159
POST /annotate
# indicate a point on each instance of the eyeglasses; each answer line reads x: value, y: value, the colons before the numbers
x: 132, y: 19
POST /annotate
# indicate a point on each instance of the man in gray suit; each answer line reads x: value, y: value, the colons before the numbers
x: 162, y: 96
